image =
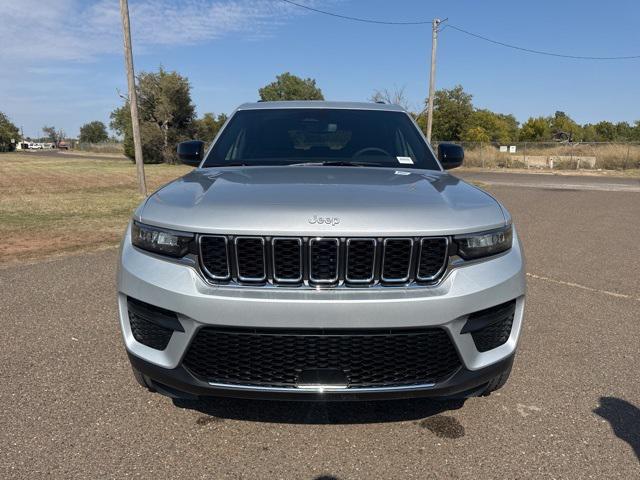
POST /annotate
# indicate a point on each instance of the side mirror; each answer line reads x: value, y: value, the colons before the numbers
x: 450, y: 155
x: 191, y: 152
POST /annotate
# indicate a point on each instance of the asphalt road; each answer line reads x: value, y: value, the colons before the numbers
x: 69, y: 407
x: 57, y: 153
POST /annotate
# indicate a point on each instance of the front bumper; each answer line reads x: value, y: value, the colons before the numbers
x: 180, y: 288
x: 180, y: 383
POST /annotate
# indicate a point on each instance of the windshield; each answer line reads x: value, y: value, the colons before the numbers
x: 321, y: 137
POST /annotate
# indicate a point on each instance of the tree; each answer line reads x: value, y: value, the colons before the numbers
x: 167, y: 116
x: 208, y: 126
x: 536, y: 129
x: 564, y: 128
x: 635, y: 132
x: 624, y: 131
x: 604, y: 131
x: 53, y: 135
x: 452, y: 110
x: 589, y: 133
x: 121, y: 124
x: 93, y: 132
x: 8, y: 132
x: 455, y: 118
x: 395, y: 97
x: 476, y: 134
x: 290, y: 87
x: 497, y: 127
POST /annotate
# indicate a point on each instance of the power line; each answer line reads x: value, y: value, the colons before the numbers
x: 356, y: 19
x: 461, y: 30
x: 538, y: 52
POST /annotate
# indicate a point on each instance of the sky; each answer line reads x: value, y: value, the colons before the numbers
x: 62, y: 61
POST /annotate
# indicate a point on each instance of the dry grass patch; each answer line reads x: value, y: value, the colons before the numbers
x: 65, y: 203
x: 106, y: 148
x: 608, y: 156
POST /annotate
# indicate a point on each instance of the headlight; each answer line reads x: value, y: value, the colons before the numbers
x: 484, y: 244
x: 160, y: 240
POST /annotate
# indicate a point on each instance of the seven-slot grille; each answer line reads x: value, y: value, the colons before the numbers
x: 323, y: 261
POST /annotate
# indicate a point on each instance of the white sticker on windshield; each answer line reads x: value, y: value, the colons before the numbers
x: 405, y: 160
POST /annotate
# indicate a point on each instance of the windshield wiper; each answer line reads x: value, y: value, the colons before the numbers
x: 233, y: 164
x: 326, y: 163
x: 336, y: 163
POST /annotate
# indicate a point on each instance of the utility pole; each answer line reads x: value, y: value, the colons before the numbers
x: 432, y: 78
x: 133, y: 97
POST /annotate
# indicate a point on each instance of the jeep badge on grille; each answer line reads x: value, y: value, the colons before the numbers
x: 333, y: 221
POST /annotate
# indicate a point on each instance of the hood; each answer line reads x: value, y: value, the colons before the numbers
x: 323, y: 201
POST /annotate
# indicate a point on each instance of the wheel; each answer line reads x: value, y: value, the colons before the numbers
x: 496, y: 383
x: 141, y: 380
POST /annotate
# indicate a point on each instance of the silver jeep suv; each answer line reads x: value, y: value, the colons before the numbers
x: 321, y: 251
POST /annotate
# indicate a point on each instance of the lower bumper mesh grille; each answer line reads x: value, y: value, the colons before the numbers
x: 148, y: 333
x: 494, y: 335
x: 372, y: 358
x: 150, y: 325
x: 491, y: 328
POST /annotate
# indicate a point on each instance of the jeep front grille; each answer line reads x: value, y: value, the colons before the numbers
x: 430, y: 264
x: 361, y: 260
x: 287, y: 260
x: 323, y: 262
x: 397, y: 256
x: 251, y: 263
x: 214, y: 256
